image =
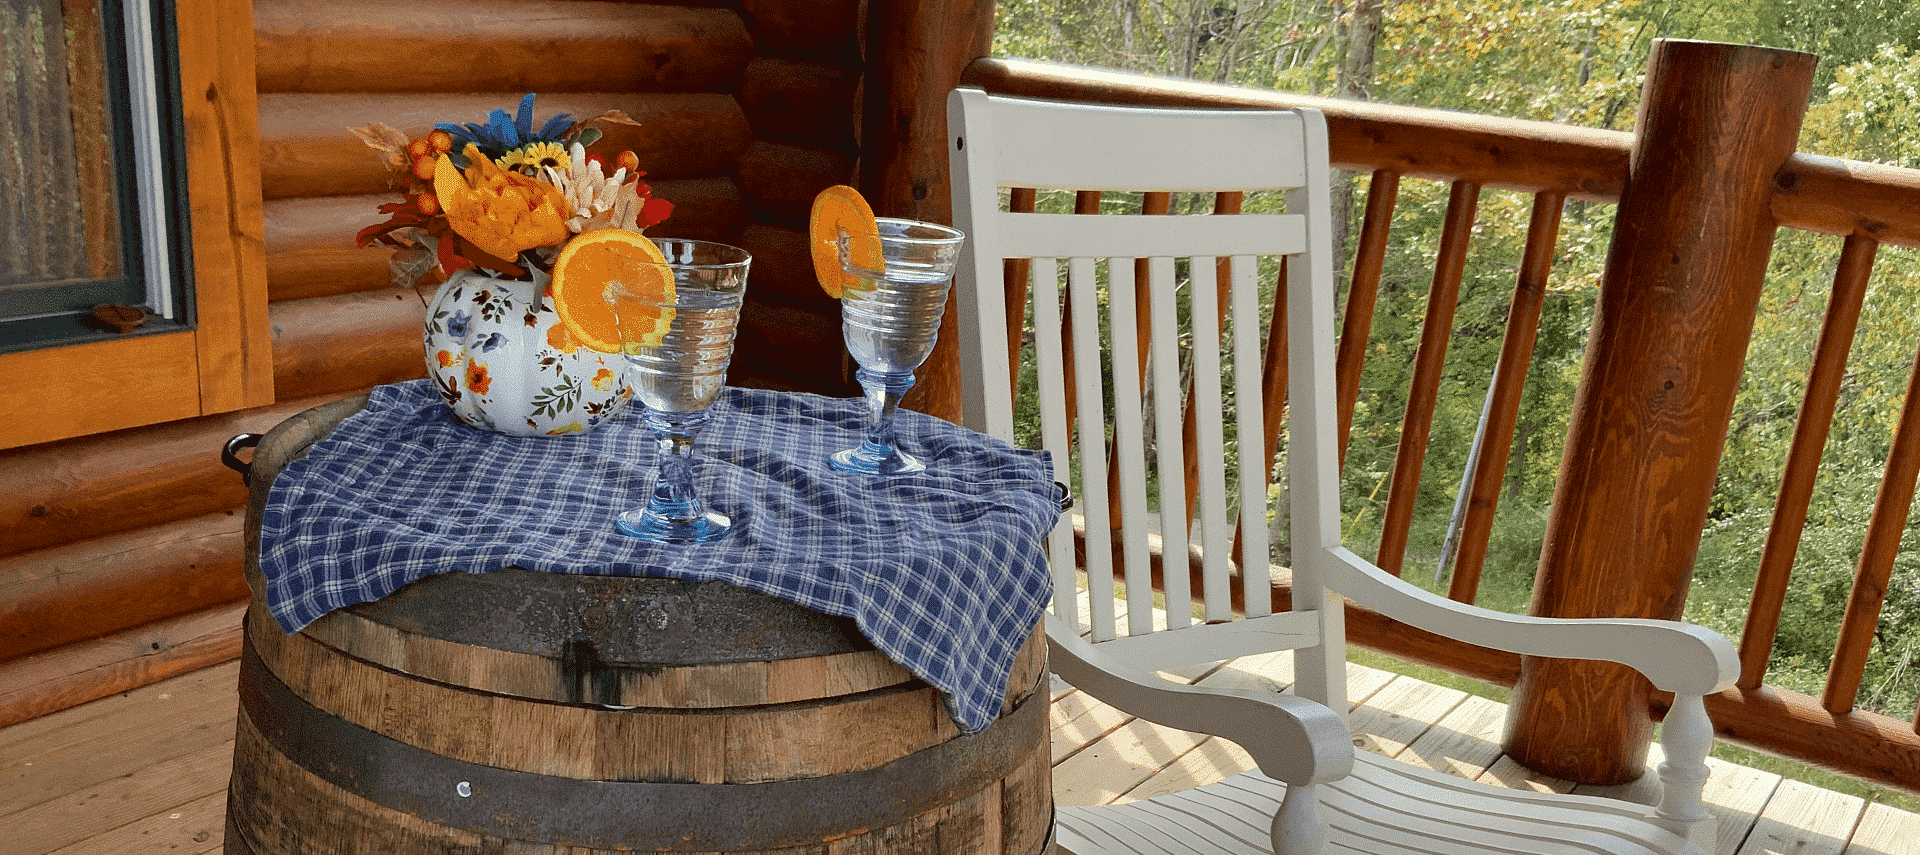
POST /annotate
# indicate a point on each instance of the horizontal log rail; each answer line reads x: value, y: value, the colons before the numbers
x: 1867, y: 204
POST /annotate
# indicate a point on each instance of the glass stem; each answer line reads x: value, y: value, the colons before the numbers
x: 673, y: 497
x: 884, y: 392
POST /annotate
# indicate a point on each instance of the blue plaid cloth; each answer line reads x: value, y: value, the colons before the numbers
x: 943, y: 571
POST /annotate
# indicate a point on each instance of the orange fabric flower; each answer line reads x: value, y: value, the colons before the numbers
x: 502, y: 213
x: 477, y: 378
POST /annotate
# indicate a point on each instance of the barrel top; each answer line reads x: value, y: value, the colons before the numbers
x: 623, y: 621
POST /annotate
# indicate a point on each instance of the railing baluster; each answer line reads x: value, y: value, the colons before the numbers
x: 1383, y: 190
x: 1509, y: 380
x: 1810, y: 431
x: 1884, y: 529
x: 1015, y: 271
x: 1424, y: 391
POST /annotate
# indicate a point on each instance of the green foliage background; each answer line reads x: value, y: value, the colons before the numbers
x: 1582, y: 62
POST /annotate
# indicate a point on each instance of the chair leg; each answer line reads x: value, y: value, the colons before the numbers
x: 1298, y: 828
x: 1686, y: 736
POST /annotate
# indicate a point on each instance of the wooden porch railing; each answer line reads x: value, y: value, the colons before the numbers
x: 1867, y: 205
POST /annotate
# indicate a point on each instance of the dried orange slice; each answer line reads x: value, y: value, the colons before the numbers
x: 583, y: 279
x: 840, y: 212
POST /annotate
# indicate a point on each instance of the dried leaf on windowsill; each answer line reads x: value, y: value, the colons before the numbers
x: 121, y: 318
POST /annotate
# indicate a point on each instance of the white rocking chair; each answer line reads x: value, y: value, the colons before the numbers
x: 1095, y: 376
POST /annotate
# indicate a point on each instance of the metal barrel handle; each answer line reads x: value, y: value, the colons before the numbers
x: 230, y: 454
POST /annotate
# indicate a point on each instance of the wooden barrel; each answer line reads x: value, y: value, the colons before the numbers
x: 523, y: 712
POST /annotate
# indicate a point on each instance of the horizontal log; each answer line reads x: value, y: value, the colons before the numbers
x: 496, y: 46
x: 800, y: 102
x: 1840, y: 197
x: 703, y: 208
x: 66, y: 594
x: 779, y: 181
x: 307, y: 150
x: 310, y: 248
x: 77, y: 673
x: 1512, y: 154
x: 331, y: 346
x: 73, y: 490
x: 822, y: 30
x: 791, y: 349
x: 783, y: 270
x: 311, y: 252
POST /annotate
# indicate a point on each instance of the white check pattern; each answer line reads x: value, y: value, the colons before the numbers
x: 944, y: 571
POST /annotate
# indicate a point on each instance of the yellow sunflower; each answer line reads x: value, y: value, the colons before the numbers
x: 530, y: 158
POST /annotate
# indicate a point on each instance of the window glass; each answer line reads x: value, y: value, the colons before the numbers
x: 89, y: 189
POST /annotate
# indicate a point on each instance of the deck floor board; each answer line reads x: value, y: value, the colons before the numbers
x: 146, y: 772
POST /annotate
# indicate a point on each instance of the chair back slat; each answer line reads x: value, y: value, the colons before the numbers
x: 1127, y: 455
x: 1051, y: 379
x: 1169, y: 396
x: 1090, y: 433
x: 1210, y: 520
x: 1249, y: 424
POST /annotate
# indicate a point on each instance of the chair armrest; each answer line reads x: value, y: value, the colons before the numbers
x: 1291, y: 738
x: 1677, y: 657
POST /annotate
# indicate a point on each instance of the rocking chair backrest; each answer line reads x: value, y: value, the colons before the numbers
x: 1152, y: 361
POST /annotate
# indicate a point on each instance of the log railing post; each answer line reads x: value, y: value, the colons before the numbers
x: 1668, y: 344
x: 916, y: 51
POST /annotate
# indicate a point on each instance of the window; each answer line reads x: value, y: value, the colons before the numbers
x: 89, y: 184
x: 129, y: 175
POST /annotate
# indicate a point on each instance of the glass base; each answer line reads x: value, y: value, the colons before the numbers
x: 647, y: 525
x: 871, y: 459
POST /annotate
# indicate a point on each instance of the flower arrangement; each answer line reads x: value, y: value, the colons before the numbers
x: 503, y: 196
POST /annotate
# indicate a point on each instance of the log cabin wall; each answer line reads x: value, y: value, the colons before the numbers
x: 122, y: 554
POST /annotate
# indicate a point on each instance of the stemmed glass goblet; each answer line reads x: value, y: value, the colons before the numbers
x: 890, y: 319
x: 677, y: 323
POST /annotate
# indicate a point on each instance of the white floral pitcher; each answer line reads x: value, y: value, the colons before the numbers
x: 503, y: 362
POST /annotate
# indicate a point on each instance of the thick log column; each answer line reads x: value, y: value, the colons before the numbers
x: 1669, y: 340
x: 924, y: 46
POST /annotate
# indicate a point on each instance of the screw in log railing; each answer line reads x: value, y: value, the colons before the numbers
x: 1670, y: 332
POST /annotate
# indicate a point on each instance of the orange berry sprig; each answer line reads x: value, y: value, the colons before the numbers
x: 426, y: 151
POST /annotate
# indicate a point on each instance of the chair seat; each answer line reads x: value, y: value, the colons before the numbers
x: 1384, y: 807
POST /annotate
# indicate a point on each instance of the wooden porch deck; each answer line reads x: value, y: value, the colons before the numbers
x: 146, y: 772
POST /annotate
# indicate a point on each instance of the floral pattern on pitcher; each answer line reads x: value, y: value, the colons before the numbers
x: 502, y: 361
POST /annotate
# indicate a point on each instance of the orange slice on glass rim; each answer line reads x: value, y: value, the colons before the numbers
x: 840, y: 213
x: 584, y: 276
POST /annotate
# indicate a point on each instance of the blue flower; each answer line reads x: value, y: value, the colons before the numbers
x: 457, y: 325
x: 491, y: 342
x: 503, y: 133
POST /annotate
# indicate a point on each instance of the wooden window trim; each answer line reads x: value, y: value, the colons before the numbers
x: 225, y: 362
